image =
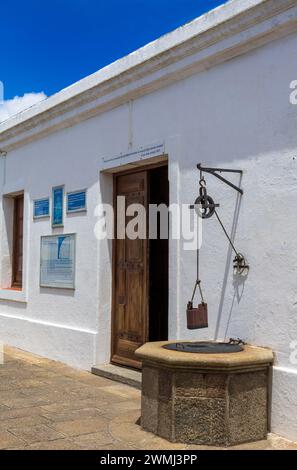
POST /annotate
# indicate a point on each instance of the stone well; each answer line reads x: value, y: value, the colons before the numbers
x: 210, y: 399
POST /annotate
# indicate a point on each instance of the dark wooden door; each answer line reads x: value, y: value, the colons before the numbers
x: 17, y: 259
x: 130, y: 300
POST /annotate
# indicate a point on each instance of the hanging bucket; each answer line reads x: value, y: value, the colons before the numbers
x: 197, y: 317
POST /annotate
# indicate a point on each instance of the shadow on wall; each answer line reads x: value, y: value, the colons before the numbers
x: 238, y: 280
x: 56, y: 291
x: 14, y: 305
x: 106, y: 191
x: 238, y: 285
x: 77, y: 214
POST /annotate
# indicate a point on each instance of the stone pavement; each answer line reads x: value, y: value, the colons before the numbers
x: 47, y: 405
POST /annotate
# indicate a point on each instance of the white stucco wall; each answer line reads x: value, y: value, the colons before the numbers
x: 237, y: 115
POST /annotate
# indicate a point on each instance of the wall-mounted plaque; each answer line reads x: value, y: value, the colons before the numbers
x: 152, y: 150
x: 57, y: 261
x: 41, y: 208
x: 57, y: 206
x: 76, y: 201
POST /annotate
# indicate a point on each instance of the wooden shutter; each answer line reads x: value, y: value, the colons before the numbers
x: 17, y: 257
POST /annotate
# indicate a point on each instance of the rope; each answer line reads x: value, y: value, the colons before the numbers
x: 201, y: 295
x: 239, y: 256
x: 197, y: 263
x: 225, y: 231
x: 198, y: 282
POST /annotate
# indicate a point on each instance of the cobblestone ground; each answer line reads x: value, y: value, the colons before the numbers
x: 47, y: 405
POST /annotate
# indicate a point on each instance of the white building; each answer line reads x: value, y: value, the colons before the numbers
x: 215, y: 91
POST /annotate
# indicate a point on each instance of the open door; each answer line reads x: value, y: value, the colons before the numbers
x: 131, y: 283
x: 140, y: 271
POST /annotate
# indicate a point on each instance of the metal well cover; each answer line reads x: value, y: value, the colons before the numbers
x: 204, y: 347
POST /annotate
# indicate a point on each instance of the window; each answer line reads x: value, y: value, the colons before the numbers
x: 17, y: 254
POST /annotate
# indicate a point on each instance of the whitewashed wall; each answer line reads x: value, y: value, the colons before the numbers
x: 238, y: 115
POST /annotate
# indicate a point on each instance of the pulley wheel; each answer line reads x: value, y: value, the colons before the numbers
x: 207, y: 206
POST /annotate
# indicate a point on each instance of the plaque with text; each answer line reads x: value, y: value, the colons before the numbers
x: 76, y: 201
x: 57, y: 261
x: 41, y: 208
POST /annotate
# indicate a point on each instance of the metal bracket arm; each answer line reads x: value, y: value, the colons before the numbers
x: 213, y: 171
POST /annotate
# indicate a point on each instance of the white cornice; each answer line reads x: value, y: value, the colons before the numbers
x: 221, y: 34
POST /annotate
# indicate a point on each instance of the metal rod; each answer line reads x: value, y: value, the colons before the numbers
x: 227, y: 182
x: 213, y: 171
x: 227, y: 170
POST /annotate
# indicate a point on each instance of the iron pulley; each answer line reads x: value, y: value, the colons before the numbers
x: 204, y: 204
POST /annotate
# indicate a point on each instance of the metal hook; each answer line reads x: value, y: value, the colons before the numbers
x: 202, y: 182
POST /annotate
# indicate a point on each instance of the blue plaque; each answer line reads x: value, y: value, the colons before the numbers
x: 76, y: 201
x: 57, y: 210
x: 41, y: 208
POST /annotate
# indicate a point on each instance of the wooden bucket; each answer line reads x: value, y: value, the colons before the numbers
x: 197, y: 317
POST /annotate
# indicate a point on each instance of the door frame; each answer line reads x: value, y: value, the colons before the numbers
x: 122, y: 172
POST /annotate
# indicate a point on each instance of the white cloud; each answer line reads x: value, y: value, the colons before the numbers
x: 14, y: 106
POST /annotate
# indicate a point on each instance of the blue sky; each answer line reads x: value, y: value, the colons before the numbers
x: 48, y: 45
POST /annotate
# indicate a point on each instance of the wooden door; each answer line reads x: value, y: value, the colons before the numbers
x: 17, y: 258
x: 130, y: 289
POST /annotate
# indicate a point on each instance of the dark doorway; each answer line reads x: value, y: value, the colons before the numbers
x: 158, y: 260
